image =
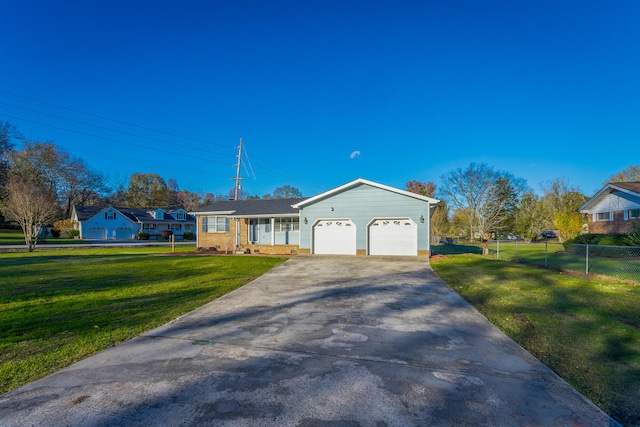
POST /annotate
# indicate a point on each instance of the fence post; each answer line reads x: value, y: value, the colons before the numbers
x: 587, y: 260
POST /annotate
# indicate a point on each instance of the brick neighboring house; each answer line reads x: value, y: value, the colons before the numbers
x: 613, y: 209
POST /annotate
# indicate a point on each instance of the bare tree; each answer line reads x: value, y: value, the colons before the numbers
x: 286, y: 192
x: 30, y: 205
x: 485, y: 197
x: 46, y: 164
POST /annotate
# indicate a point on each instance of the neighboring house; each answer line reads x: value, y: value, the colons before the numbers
x: 614, y: 208
x: 358, y: 218
x: 112, y: 223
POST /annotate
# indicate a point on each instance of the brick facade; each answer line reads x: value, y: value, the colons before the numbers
x: 618, y: 226
x: 227, y: 241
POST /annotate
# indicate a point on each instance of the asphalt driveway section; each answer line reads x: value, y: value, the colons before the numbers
x: 317, y: 341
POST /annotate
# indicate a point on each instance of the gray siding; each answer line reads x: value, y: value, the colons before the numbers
x: 361, y: 204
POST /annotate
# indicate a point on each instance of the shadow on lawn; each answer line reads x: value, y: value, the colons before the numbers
x: 594, y: 338
x: 378, y: 350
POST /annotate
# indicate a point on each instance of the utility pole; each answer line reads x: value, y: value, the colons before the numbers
x: 237, y: 179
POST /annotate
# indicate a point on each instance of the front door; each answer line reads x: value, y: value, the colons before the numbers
x: 254, y: 231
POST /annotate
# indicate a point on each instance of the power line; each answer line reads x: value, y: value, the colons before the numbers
x: 108, y: 139
x: 113, y: 130
x: 109, y: 119
x: 272, y: 170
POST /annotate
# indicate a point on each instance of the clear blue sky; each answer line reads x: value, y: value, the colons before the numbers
x: 323, y: 92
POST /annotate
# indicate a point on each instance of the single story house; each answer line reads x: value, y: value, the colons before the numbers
x: 112, y: 223
x: 360, y: 217
x: 614, y: 208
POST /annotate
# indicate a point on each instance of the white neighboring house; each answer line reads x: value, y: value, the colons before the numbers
x: 114, y: 223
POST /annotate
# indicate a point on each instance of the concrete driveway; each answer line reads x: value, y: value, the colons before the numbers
x: 317, y: 341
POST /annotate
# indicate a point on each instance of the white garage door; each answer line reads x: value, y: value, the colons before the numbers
x: 95, y: 233
x: 393, y: 237
x: 335, y: 236
x: 123, y: 233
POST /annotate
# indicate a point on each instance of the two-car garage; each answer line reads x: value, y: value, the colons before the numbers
x: 366, y: 218
x: 385, y: 236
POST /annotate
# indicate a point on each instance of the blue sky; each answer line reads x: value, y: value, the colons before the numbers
x: 323, y: 92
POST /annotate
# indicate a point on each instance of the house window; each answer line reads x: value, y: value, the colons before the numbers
x: 181, y: 216
x: 634, y: 213
x: 603, y: 216
x: 287, y: 224
x: 215, y: 224
x: 109, y: 215
x: 150, y: 226
x: 175, y: 227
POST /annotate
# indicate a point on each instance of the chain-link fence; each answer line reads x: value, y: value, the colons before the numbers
x: 622, y: 262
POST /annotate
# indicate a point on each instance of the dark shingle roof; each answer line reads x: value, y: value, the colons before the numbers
x: 253, y: 207
x: 134, y: 214
x: 633, y: 186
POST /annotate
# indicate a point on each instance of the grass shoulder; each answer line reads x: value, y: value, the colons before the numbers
x: 587, y: 329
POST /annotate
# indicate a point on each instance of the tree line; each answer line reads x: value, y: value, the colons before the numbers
x: 40, y: 182
x: 481, y: 203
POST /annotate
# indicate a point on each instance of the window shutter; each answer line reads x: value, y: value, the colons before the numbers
x: 626, y: 214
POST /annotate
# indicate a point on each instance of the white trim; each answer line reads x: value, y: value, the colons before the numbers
x: 212, y: 213
x: 607, y: 189
x: 366, y: 182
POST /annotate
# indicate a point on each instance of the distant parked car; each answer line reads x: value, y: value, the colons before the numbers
x: 549, y: 234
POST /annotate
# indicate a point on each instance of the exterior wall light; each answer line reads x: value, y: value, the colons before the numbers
x: 421, y: 218
x: 305, y: 220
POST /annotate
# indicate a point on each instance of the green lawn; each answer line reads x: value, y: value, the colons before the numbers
x: 16, y: 237
x: 621, y: 263
x: 585, y: 328
x: 60, y: 306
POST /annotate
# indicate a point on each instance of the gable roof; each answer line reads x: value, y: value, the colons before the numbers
x: 251, y: 207
x: 628, y: 188
x: 85, y: 213
x: 361, y: 181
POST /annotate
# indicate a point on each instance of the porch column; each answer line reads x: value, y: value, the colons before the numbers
x: 273, y: 231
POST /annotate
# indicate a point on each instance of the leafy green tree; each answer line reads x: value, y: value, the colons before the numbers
x: 530, y: 216
x: 568, y: 224
x: 147, y: 190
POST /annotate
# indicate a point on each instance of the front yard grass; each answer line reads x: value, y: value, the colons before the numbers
x: 587, y: 329
x: 60, y: 306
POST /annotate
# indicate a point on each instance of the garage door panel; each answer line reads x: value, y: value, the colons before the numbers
x: 393, y: 237
x: 95, y: 233
x: 336, y: 237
